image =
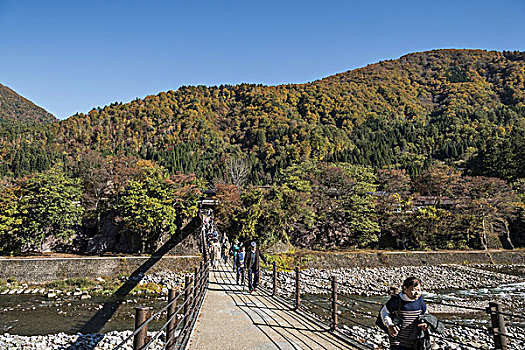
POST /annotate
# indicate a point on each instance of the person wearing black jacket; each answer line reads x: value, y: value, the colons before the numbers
x: 252, y: 262
x: 239, y: 266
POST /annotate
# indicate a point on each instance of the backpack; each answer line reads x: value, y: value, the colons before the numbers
x: 394, y: 315
x: 240, y: 259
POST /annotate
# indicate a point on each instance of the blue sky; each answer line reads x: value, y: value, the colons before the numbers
x: 74, y: 55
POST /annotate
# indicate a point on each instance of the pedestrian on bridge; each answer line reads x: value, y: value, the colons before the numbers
x: 225, y: 249
x: 252, y: 262
x: 239, y: 265
x: 234, y: 250
x: 215, y: 253
x: 401, y: 314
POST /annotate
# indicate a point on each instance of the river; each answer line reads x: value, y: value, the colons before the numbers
x: 37, y: 315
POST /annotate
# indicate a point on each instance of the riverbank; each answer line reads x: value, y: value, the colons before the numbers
x: 325, y: 260
x: 456, y: 338
x: 368, y: 280
x: 376, y: 281
x: 43, y: 269
x: 53, y: 267
x: 62, y: 341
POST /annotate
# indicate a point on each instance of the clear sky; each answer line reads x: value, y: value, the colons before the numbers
x: 74, y: 55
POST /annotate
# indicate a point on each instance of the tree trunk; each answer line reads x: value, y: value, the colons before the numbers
x: 484, y: 234
x: 507, y: 234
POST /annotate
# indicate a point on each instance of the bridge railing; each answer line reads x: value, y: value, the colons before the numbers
x: 185, y: 305
x: 331, y: 305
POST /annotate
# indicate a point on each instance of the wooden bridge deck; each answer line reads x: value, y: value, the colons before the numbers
x: 232, y: 318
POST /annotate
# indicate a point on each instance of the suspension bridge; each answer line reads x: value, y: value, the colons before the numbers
x: 233, y: 318
x: 214, y: 312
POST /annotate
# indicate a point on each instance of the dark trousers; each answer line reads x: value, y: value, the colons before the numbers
x: 253, y: 278
x: 240, y: 274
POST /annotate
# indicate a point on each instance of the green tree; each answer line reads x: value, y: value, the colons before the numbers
x: 187, y: 192
x: 355, y: 195
x: 50, y: 208
x: 152, y: 204
x: 249, y: 213
x: 146, y: 206
x: 10, y: 220
x: 333, y: 204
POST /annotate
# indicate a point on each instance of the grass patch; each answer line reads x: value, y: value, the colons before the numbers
x: 283, y: 261
x: 3, y: 285
x: 71, y: 283
x: 150, y: 287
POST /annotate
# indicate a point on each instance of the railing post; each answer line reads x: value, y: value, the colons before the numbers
x: 202, y: 284
x: 195, y: 283
x: 334, y: 303
x: 187, y: 307
x: 170, y: 330
x: 297, y: 289
x: 201, y: 280
x: 274, y: 289
x: 207, y: 274
x: 141, y: 315
x: 204, y: 246
x: 498, y: 326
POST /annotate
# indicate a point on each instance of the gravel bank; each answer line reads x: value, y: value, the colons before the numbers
x: 368, y: 282
x: 456, y: 338
x: 376, y: 281
x: 356, y: 281
x: 62, y: 341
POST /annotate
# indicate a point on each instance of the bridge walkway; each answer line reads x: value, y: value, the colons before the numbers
x: 232, y: 318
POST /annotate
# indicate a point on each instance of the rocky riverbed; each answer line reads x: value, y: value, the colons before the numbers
x: 376, y: 281
x: 370, y: 282
x: 454, y: 338
x: 159, y: 282
x: 451, y: 290
x: 450, y: 282
x: 62, y: 341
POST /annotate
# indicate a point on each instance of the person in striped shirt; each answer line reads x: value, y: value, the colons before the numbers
x: 400, y: 315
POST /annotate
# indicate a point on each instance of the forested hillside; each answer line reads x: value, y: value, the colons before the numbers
x: 463, y: 110
x: 15, y: 108
x: 450, y: 105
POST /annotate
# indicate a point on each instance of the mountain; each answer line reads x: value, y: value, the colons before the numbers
x: 14, y: 107
x: 462, y: 107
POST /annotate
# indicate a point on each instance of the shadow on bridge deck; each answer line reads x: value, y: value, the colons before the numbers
x: 110, y: 307
x: 232, y: 318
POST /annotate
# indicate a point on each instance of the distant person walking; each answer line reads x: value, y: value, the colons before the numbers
x: 225, y: 249
x: 252, y: 261
x: 235, y: 248
x: 215, y: 253
x: 239, y: 265
x: 401, y: 316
